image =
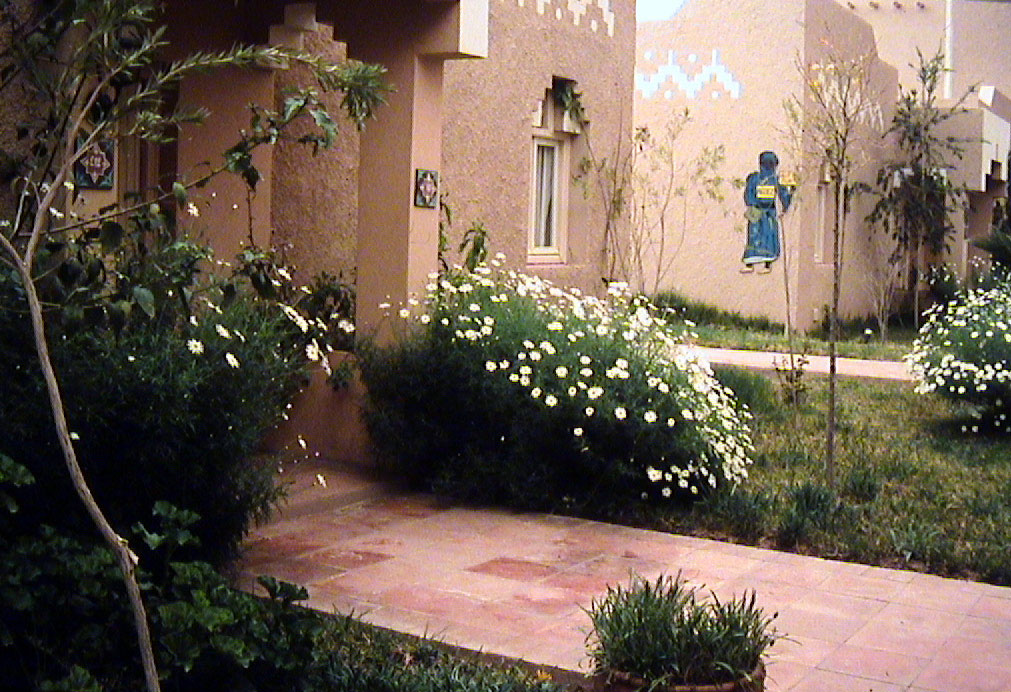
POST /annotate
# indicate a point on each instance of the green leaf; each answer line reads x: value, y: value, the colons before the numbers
x: 111, y: 236
x: 182, y: 196
x: 144, y: 299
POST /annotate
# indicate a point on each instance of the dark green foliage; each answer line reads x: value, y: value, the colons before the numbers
x: 502, y: 397
x: 744, y: 511
x: 444, y: 425
x: 661, y: 632
x: 64, y: 626
x: 862, y: 484
x: 751, y: 388
x: 703, y: 313
x: 154, y: 421
x: 811, y: 507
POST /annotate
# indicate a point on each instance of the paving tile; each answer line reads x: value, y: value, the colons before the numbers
x: 782, y: 676
x: 936, y: 593
x: 808, y: 622
x: 992, y: 607
x: 838, y: 604
x: 831, y: 681
x: 798, y: 572
x: 807, y: 651
x: 345, y: 559
x: 299, y: 570
x: 862, y: 585
x: 512, y: 568
x: 950, y: 676
x: 516, y: 584
x: 884, y: 666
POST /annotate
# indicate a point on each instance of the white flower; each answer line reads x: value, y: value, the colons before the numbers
x: 195, y: 347
x: 550, y: 400
x: 653, y: 474
x: 594, y: 392
x: 585, y: 360
x: 666, y: 492
x: 320, y: 479
x: 649, y: 416
x: 312, y: 351
x: 561, y: 371
x: 491, y: 366
x: 404, y: 313
x: 589, y: 411
x: 193, y: 321
x: 231, y: 360
x: 222, y: 331
x: 620, y: 413
x: 192, y: 210
x: 535, y: 355
x: 535, y: 392
x: 578, y: 432
x: 554, y: 326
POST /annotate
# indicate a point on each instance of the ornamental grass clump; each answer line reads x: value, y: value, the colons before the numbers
x: 506, y: 388
x: 663, y: 634
x: 963, y: 353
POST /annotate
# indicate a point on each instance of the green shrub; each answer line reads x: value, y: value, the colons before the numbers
x: 703, y: 313
x: 64, y: 624
x: 749, y: 387
x: 513, y: 391
x: 661, y: 632
x: 811, y: 506
x: 862, y: 484
x: 166, y: 409
x: 745, y: 512
x: 963, y: 351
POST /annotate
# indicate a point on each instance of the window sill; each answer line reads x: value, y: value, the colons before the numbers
x: 545, y: 257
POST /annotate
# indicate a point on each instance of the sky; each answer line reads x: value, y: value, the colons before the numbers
x: 657, y: 10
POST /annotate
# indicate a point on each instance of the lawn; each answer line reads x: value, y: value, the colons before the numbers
x: 854, y: 344
x: 915, y: 488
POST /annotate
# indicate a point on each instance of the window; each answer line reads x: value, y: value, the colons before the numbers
x: 553, y: 132
x: 545, y: 232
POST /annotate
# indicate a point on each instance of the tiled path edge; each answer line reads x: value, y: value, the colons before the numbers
x: 515, y: 584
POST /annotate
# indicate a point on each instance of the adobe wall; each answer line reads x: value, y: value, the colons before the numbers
x: 487, y: 132
x: 833, y: 33
x: 982, y: 45
x: 731, y: 64
x: 314, y: 198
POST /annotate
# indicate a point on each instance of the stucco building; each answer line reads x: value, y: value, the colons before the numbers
x: 733, y: 64
x: 474, y: 109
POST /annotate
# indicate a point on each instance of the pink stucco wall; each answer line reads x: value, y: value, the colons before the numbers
x: 487, y: 132
x: 314, y: 212
x: 732, y: 64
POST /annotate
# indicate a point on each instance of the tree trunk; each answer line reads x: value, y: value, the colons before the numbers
x: 833, y: 330
x: 119, y: 546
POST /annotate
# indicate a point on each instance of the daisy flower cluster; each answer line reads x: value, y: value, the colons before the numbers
x: 963, y: 352
x: 617, y: 379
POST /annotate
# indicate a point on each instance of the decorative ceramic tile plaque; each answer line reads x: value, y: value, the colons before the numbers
x: 426, y: 188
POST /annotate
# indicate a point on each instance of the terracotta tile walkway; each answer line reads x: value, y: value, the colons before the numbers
x: 515, y: 584
x: 766, y: 360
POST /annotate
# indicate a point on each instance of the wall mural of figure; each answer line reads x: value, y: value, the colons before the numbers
x: 760, y: 192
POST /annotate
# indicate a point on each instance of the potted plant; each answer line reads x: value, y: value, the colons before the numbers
x: 661, y: 636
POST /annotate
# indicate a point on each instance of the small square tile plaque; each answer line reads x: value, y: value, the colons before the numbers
x: 426, y: 188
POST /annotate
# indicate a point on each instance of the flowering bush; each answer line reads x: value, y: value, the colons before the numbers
x: 507, y: 388
x: 170, y: 406
x: 963, y: 352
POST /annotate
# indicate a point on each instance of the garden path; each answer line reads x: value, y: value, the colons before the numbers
x: 516, y: 584
x: 766, y: 360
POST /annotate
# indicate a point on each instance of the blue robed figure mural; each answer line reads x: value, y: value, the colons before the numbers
x: 760, y: 192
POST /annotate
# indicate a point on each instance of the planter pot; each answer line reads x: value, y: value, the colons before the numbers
x: 624, y: 682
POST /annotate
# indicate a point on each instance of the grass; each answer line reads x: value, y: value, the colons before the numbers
x: 729, y: 329
x: 914, y: 488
